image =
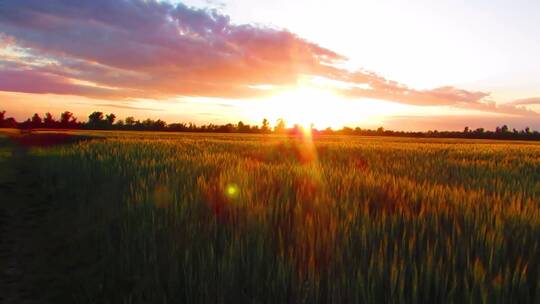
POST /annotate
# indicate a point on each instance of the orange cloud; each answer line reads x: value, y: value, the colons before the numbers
x: 526, y: 101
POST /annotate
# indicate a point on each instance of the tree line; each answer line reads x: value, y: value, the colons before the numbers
x: 101, y: 121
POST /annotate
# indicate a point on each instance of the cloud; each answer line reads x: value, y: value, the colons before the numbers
x: 5, y: 41
x: 163, y: 49
x: 31, y: 81
x: 526, y: 101
x: 125, y: 49
x: 128, y: 107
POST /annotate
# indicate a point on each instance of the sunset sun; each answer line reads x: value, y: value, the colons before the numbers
x: 321, y: 108
x: 305, y: 106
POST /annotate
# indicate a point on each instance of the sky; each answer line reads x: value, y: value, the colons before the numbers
x: 403, y: 65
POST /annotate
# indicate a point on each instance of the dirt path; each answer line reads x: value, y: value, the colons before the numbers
x: 21, y: 211
x: 37, y: 260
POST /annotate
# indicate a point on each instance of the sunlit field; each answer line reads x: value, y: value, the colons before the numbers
x: 195, y: 218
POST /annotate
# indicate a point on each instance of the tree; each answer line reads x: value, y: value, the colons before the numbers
x: 95, y: 120
x: 95, y: 117
x: 130, y: 121
x: 160, y: 124
x: 280, y: 126
x: 110, y: 119
x: 466, y: 130
x: 36, y: 121
x: 243, y: 127
x: 27, y: 124
x: 3, y: 119
x: 49, y: 121
x: 178, y: 127
x: 228, y: 128
x: 67, y: 120
x: 148, y: 123
x: 346, y: 130
x: 504, y: 129
x: 265, y: 126
x: 9, y: 122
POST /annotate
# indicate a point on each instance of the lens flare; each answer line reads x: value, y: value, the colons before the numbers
x: 232, y: 191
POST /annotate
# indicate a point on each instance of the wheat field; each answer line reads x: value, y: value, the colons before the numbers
x: 199, y: 218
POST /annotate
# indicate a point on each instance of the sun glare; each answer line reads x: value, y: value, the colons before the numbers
x: 304, y: 106
x: 309, y: 106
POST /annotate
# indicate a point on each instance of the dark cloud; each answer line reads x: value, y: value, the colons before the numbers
x: 122, y: 49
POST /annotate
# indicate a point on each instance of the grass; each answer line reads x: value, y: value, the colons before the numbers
x: 190, y: 218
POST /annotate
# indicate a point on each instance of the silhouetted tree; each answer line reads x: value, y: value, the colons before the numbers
x: 346, y: 130
x: 178, y: 127
x: 265, y: 126
x: 98, y: 121
x: 228, y: 128
x: 148, y: 123
x: 36, y: 121
x: 67, y: 120
x: 243, y: 128
x: 95, y: 117
x: 25, y: 125
x: 9, y: 122
x: 49, y: 121
x: 159, y: 125
x: 130, y: 121
x: 95, y: 120
x: 110, y: 119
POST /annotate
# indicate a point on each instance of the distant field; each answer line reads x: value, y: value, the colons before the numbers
x: 217, y: 218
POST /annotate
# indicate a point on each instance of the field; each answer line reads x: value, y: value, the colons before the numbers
x: 200, y: 218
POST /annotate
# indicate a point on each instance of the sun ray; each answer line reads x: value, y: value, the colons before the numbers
x: 311, y: 106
